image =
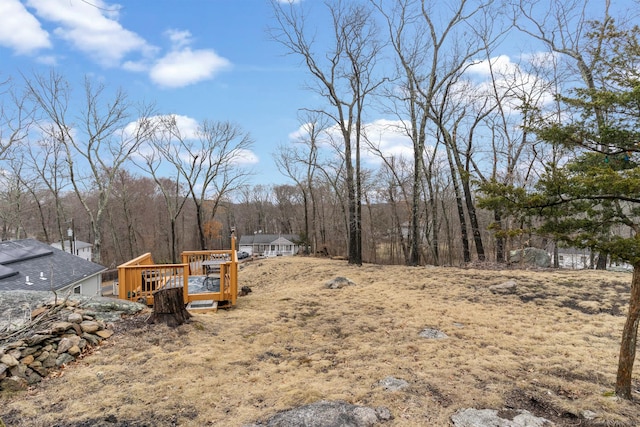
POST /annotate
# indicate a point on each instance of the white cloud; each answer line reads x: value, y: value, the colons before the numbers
x: 178, y: 38
x: 19, y: 30
x: 513, y: 81
x: 385, y: 137
x: 245, y: 157
x: 389, y: 138
x: 187, y: 127
x: 500, y: 65
x: 184, y: 67
x: 91, y: 28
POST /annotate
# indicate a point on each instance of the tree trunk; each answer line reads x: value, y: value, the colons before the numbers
x: 602, y: 261
x: 500, y: 255
x: 629, y: 335
x: 168, y: 307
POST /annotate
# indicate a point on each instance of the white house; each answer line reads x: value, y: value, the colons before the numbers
x: 32, y: 265
x: 577, y: 259
x: 76, y: 247
x: 269, y: 244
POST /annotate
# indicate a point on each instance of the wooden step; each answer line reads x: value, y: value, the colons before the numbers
x: 203, y: 306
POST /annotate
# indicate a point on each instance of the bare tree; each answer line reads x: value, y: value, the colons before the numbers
x: 169, y: 182
x: 433, y: 45
x: 16, y: 117
x: 209, y: 162
x: 344, y: 75
x: 96, y: 138
x: 300, y: 163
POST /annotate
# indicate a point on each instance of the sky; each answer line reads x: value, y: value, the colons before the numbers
x: 199, y: 59
x: 202, y: 59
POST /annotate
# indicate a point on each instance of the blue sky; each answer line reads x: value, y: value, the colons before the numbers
x: 205, y: 59
x: 202, y: 59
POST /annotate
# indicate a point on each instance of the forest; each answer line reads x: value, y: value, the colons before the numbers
x: 85, y: 157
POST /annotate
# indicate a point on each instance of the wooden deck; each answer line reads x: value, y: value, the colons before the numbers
x: 139, y: 278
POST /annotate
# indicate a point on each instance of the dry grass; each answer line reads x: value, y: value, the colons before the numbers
x: 550, y: 347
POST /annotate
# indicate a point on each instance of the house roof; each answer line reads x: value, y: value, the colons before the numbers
x: 263, y: 239
x: 45, y: 266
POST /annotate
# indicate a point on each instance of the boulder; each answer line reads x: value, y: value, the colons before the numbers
x: 338, y: 282
x: 393, y: 384
x: 504, y: 288
x: 530, y: 256
x: 329, y: 414
x: 433, y: 334
x: 472, y: 417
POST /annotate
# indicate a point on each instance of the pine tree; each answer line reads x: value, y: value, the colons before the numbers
x: 582, y: 201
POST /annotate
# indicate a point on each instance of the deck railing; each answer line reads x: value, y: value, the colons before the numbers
x: 139, y: 278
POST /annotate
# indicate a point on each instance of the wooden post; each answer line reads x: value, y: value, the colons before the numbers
x: 169, y: 308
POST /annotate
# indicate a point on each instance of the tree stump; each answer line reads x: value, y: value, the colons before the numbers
x: 169, y: 308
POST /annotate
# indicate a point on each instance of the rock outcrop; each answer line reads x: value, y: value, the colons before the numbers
x: 530, y: 256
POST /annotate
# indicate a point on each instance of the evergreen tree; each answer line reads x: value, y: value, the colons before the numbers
x: 583, y: 199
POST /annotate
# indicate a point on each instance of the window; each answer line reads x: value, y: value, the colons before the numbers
x: 77, y: 289
x: 560, y: 258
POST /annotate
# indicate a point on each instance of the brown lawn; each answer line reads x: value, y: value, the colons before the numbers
x: 550, y: 347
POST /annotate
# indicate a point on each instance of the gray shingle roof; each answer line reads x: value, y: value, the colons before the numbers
x: 46, y: 267
x: 263, y: 239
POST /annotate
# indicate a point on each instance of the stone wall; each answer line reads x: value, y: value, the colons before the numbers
x: 57, y: 334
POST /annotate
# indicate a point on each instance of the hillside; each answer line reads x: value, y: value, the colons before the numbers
x: 549, y: 345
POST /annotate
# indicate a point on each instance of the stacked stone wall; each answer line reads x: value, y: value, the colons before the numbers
x: 58, y: 334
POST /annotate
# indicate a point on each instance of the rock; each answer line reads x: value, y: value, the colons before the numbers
x: 89, y: 326
x: 393, y: 384
x: 504, y: 288
x: 19, y: 371
x: 27, y: 360
x: 64, y: 358
x: 37, y: 339
x: 433, y: 334
x: 329, y: 414
x: 33, y: 377
x: 29, y: 350
x: 92, y: 339
x: 472, y: 417
x: 51, y: 360
x: 66, y: 343
x: 60, y: 327
x: 531, y: 256
x: 70, y: 332
x: 75, y: 318
x: 9, y: 360
x: 43, y: 356
x: 14, y: 345
x: 338, y: 282
x: 105, y: 333
x: 74, y: 351
x: 41, y: 370
x: 14, y: 303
